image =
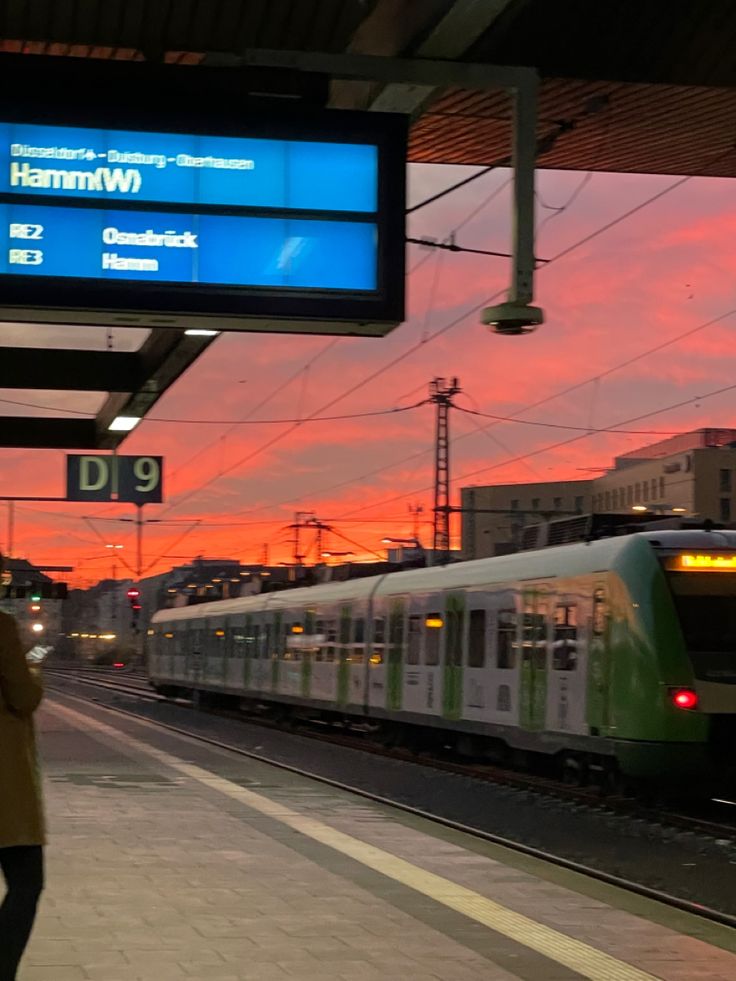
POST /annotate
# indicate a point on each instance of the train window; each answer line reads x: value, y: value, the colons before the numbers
x: 565, y: 644
x: 415, y: 640
x: 329, y: 650
x: 477, y: 639
x: 455, y: 627
x: 506, y: 640
x: 432, y: 637
x: 360, y: 630
x: 379, y: 630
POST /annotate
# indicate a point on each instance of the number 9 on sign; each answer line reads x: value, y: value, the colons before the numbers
x: 147, y: 471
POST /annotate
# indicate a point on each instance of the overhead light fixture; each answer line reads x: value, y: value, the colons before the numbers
x: 639, y: 507
x: 201, y: 332
x: 123, y: 424
x: 679, y: 510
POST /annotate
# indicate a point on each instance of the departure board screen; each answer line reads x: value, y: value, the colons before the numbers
x: 272, y: 218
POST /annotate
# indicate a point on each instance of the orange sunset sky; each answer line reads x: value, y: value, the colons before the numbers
x: 667, y: 269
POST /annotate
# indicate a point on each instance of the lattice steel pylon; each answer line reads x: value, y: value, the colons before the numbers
x: 441, y: 394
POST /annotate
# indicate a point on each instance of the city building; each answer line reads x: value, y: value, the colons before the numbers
x: 692, y: 474
x: 494, y: 517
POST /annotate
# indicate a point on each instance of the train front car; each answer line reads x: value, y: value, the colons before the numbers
x: 669, y: 662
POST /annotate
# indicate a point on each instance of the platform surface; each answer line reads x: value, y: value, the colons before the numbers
x: 169, y: 859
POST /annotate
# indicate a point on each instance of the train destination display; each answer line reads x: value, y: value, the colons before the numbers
x: 200, y: 212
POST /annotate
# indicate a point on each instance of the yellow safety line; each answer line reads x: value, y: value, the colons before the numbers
x: 556, y: 946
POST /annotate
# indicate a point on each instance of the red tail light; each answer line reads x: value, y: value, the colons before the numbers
x: 684, y: 698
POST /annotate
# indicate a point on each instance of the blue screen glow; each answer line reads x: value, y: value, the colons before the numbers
x: 175, y: 168
x: 278, y: 252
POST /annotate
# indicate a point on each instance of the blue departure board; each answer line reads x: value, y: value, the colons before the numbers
x: 238, y: 223
x: 176, y: 168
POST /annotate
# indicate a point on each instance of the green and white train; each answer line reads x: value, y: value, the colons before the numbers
x: 617, y: 656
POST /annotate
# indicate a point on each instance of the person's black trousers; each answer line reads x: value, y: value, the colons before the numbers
x: 23, y: 870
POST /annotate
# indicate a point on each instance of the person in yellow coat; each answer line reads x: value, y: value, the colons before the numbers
x: 22, y: 833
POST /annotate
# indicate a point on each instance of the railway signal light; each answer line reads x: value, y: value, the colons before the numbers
x: 134, y: 598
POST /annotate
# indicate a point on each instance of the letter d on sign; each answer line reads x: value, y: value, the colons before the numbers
x: 93, y: 467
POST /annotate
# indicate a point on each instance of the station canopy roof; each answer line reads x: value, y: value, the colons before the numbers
x: 635, y: 86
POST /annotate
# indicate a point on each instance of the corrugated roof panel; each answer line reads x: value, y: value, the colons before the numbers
x: 649, y: 129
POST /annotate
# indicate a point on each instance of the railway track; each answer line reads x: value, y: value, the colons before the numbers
x: 680, y: 821
x: 718, y: 822
x: 715, y: 818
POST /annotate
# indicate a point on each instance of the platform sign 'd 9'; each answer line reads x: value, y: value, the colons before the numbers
x: 132, y: 479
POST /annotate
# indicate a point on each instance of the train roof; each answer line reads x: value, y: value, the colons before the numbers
x: 545, y: 563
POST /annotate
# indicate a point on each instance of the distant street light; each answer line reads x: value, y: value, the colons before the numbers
x: 114, y: 546
x: 414, y: 542
x: 327, y: 555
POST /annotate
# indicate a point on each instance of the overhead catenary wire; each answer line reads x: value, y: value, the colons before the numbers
x: 298, y: 419
x: 546, y: 448
x: 468, y: 312
x: 560, y: 425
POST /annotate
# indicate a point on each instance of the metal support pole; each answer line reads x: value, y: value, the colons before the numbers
x: 11, y: 527
x: 139, y: 540
x: 297, y: 526
x: 524, y: 161
x: 441, y: 395
x: 139, y: 636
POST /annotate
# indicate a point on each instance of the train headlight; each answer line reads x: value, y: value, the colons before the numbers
x: 37, y: 628
x: 684, y: 698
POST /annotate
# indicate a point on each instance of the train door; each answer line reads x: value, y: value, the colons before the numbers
x: 277, y: 647
x: 452, y: 681
x: 434, y: 631
x: 505, y: 658
x: 195, y: 651
x: 478, y: 675
x: 566, y: 702
x: 237, y: 668
x: 396, y: 642
x: 376, y: 667
x: 215, y: 649
x: 260, y: 678
x: 413, y: 699
x: 533, y: 693
x: 345, y: 631
x: 599, y: 664
x: 292, y: 680
x: 358, y: 692
x: 176, y: 636
x: 322, y: 653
